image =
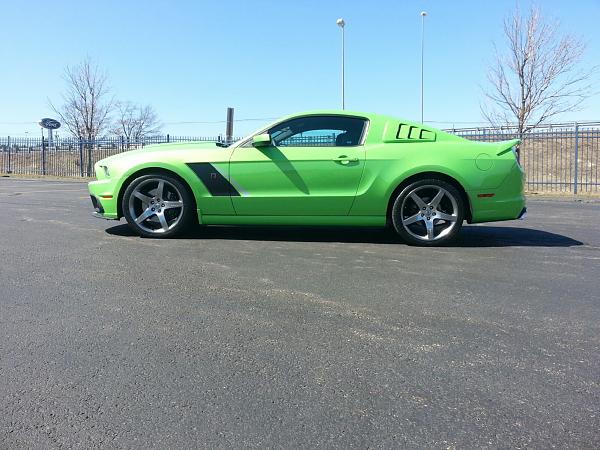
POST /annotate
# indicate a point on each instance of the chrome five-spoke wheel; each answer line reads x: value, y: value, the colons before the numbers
x: 155, y: 205
x: 428, y: 212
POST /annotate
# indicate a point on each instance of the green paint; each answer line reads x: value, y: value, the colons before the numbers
x: 327, y: 185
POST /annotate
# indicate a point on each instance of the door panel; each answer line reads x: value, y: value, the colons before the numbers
x: 296, y: 180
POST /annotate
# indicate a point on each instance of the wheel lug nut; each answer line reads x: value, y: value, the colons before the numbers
x: 163, y: 205
x: 159, y: 210
x: 152, y: 209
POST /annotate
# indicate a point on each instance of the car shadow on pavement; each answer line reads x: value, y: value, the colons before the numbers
x: 495, y: 236
x: 470, y: 235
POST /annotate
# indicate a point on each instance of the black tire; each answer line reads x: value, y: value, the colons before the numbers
x: 143, y: 201
x: 432, y: 221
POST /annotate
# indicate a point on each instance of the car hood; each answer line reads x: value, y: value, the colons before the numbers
x: 153, y: 150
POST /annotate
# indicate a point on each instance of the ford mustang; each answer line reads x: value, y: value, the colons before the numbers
x: 317, y: 168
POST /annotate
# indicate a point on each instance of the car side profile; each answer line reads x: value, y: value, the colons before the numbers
x: 317, y: 168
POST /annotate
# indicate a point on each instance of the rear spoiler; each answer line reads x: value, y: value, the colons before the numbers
x: 506, y: 146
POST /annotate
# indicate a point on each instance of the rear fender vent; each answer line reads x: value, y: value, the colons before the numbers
x: 407, y: 133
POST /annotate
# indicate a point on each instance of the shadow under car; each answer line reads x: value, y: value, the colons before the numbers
x: 470, y: 235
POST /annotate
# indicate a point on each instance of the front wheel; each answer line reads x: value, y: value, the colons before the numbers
x: 428, y: 212
x: 157, y: 205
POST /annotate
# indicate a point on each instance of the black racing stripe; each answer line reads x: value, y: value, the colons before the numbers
x: 216, y: 183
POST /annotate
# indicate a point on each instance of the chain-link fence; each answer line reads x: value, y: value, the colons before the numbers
x: 556, y: 158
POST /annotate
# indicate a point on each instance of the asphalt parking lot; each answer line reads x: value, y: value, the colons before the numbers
x: 291, y: 337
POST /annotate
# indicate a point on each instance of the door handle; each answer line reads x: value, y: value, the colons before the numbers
x: 345, y: 159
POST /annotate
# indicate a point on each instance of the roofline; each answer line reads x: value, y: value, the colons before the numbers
x: 338, y: 112
x: 334, y: 112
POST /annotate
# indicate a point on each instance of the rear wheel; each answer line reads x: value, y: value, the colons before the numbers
x: 157, y: 205
x: 428, y: 212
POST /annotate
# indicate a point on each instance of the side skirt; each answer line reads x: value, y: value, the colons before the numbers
x: 373, y: 221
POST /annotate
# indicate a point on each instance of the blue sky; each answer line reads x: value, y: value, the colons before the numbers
x: 192, y: 59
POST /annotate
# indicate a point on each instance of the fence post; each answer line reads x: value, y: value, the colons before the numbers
x: 81, y: 158
x: 576, y: 169
x: 43, y: 156
x: 168, y: 137
x: 89, y: 155
x: 8, y: 167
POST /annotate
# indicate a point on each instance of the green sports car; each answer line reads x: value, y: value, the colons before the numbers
x: 317, y: 168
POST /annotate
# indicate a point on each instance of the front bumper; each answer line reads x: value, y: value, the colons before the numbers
x: 104, y: 199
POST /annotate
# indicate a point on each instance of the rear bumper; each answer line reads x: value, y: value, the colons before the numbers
x: 507, y: 202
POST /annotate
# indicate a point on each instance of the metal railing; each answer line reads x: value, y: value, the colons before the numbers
x: 326, y: 140
x: 556, y: 158
x: 71, y: 157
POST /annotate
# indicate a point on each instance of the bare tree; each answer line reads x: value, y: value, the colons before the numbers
x: 86, y: 102
x: 135, y: 122
x: 539, y: 76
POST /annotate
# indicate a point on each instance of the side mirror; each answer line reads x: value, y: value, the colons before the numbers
x: 261, y: 140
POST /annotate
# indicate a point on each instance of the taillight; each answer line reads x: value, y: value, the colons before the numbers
x: 515, y: 151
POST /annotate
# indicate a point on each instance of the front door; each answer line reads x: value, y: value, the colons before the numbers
x: 312, y: 167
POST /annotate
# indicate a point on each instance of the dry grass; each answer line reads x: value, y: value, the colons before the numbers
x: 60, y: 163
x: 550, y: 164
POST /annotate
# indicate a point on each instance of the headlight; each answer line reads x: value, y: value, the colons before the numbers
x: 106, y: 171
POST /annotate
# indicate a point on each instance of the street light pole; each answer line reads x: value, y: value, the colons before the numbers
x: 423, y: 14
x: 341, y: 24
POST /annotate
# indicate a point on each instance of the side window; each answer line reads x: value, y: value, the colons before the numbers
x: 319, y: 131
